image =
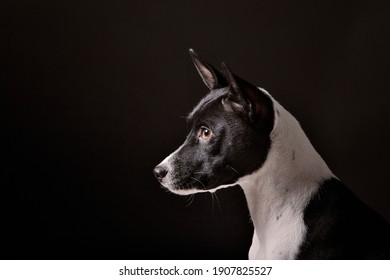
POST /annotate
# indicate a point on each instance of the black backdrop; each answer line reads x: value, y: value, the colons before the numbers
x: 92, y: 94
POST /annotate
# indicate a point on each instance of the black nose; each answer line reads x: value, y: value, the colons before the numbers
x: 160, y: 172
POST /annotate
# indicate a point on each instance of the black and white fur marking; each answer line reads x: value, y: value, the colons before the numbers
x: 241, y: 135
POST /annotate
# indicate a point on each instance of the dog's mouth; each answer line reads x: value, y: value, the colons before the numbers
x: 185, y: 191
x: 183, y: 182
x: 194, y: 184
x: 190, y: 185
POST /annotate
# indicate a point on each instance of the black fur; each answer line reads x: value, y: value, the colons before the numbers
x: 340, y: 226
x: 229, y: 151
x: 240, y: 118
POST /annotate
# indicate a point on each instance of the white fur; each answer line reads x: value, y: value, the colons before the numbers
x: 168, y: 179
x: 278, y: 192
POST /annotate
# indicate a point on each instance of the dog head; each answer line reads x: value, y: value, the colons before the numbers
x: 229, y: 134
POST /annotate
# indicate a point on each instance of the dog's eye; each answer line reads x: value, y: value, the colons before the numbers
x: 204, y: 133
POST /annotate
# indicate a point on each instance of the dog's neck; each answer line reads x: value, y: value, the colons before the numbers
x: 278, y: 192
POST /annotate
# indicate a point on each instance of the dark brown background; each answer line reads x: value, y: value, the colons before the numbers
x: 92, y: 94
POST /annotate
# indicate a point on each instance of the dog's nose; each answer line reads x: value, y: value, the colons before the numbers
x: 160, y: 172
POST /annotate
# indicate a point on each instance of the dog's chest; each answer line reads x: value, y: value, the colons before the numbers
x: 277, y: 213
x: 279, y: 236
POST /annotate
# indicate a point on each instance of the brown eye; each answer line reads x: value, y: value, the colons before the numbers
x: 204, y: 133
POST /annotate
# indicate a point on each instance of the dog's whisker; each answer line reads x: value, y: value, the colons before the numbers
x: 191, y: 199
x: 234, y: 170
x: 212, y: 202
x: 193, y: 178
x: 216, y: 198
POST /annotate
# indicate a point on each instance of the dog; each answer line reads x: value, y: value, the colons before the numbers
x: 240, y: 135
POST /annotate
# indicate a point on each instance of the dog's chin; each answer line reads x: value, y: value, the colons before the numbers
x: 183, y: 191
x: 186, y: 191
x: 194, y: 190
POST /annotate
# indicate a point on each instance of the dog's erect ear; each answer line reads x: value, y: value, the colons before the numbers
x: 247, y: 98
x: 210, y: 75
